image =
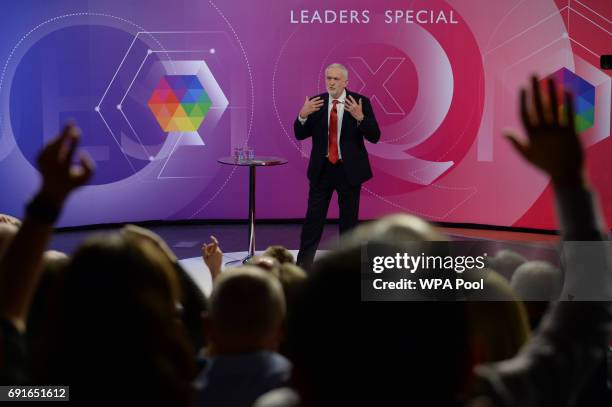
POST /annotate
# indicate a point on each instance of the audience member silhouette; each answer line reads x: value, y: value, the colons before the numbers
x: 244, y: 327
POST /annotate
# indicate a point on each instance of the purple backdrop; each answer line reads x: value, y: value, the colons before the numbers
x: 442, y: 75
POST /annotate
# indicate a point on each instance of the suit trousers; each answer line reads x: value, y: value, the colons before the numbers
x: 332, y: 178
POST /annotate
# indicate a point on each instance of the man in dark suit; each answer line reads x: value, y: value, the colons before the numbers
x: 338, y: 121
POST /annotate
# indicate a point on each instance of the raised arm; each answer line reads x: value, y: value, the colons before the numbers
x: 20, y: 267
x: 554, y: 366
x: 213, y: 257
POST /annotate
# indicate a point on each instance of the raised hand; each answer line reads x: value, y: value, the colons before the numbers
x: 552, y: 142
x: 354, y: 108
x: 310, y: 106
x: 213, y: 257
x: 60, y: 176
x: 21, y: 265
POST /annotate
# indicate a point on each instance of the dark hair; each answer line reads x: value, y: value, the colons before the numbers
x: 118, y: 325
x: 42, y: 315
x: 381, y: 351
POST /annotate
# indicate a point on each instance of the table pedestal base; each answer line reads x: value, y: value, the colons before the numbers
x: 240, y: 262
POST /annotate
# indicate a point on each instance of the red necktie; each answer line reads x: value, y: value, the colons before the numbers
x: 332, y: 139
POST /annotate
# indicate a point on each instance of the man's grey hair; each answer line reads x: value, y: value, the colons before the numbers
x: 340, y: 67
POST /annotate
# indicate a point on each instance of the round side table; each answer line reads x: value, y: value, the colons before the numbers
x: 257, y: 161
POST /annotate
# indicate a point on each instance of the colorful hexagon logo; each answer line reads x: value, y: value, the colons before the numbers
x: 179, y: 103
x: 584, y: 97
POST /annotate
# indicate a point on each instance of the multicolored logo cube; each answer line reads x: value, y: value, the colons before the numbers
x: 584, y: 97
x: 179, y: 103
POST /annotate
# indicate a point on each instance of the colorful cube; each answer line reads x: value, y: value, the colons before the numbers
x: 179, y: 103
x: 584, y: 97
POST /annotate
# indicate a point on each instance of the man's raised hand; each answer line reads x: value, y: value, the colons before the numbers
x: 354, y: 108
x: 310, y: 106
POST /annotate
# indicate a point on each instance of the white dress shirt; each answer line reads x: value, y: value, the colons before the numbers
x: 340, y: 110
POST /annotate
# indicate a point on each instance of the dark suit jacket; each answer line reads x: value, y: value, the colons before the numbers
x: 352, y: 148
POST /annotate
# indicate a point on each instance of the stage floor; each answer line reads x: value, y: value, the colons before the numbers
x: 186, y: 240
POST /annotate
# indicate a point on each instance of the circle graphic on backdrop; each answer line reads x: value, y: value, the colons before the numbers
x: 425, y: 83
x: 61, y: 78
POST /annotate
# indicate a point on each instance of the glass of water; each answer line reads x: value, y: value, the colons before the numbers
x: 250, y: 154
x: 238, y: 154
